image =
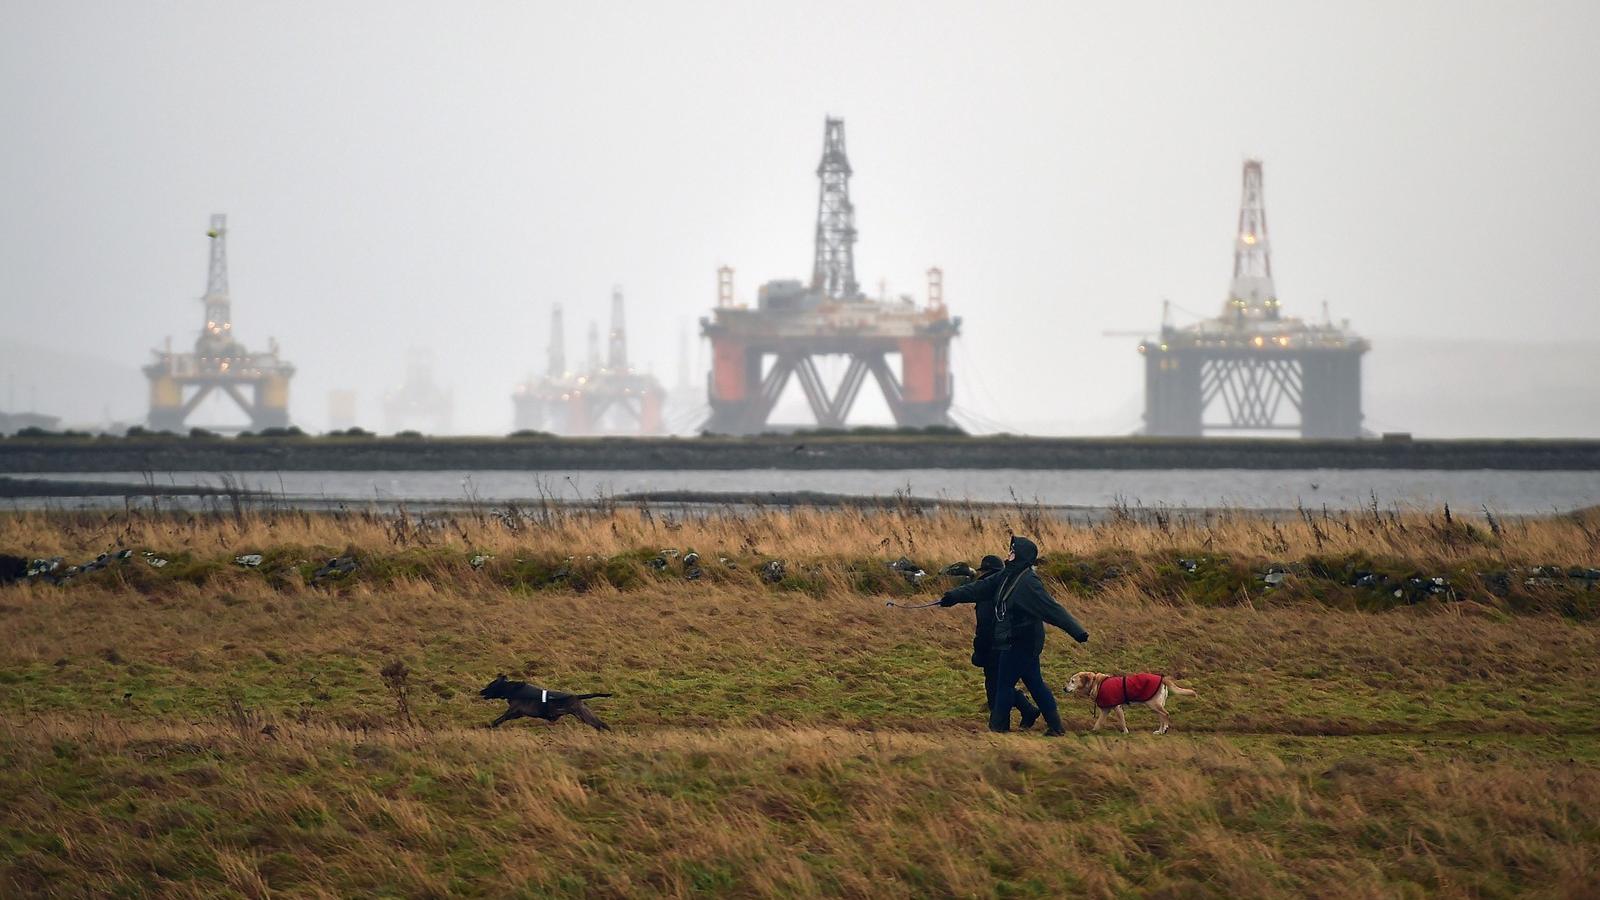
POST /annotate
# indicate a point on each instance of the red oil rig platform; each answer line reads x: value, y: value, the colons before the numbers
x: 755, y: 351
x: 219, y: 362
x: 1262, y: 370
x: 607, y: 397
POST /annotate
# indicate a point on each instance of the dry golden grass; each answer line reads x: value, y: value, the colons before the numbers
x: 797, y: 738
x: 198, y: 810
x: 945, y: 534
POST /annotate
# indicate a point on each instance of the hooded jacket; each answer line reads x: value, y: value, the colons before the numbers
x: 1021, y: 604
x: 983, y: 630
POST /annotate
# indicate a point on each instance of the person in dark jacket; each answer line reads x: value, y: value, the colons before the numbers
x: 983, y: 648
x: 1021, y: 607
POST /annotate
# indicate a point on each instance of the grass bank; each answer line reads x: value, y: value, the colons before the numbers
x: 204, y: 727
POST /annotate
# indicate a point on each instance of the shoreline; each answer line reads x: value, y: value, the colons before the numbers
x: 42, y: 488
x: 263, y: 454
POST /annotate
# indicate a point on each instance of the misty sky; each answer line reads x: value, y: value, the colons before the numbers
x: 436, y: 175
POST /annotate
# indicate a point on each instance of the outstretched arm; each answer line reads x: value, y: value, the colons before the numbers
x: 1035, y: 599
x: 972, y: 592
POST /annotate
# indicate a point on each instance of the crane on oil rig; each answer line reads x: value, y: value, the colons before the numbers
x: 756, y: 351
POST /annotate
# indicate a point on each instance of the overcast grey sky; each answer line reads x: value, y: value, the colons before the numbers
x: 436, y: 175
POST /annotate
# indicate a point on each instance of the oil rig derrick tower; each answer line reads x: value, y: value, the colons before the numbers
x: 219, y: 361
x: 1264, y: 370
x: 756, y: 351
x: 608, y: 397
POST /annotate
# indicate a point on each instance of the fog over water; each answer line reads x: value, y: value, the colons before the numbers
x: 411, y: 175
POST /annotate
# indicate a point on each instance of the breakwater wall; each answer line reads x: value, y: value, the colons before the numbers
x: 258, y: 454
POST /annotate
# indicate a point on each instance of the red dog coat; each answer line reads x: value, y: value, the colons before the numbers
x: 1120, y: 689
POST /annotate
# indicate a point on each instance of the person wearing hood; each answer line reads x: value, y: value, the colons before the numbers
x: 983, y: 648
x: 1021, y: 607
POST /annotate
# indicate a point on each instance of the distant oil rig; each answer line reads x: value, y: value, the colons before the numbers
x: 1265, y: 371
x: 607, y: 397
x: 755, y: 351
x: 1248, y: 369
x: 219, y: 361
x: 418, y: 402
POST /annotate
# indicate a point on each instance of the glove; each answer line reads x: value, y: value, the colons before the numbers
x: 1084, y: 639
x: 947, y: 601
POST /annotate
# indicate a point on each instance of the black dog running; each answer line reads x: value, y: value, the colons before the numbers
x: 523, y: 699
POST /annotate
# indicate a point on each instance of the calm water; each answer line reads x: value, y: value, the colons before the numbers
x: 1506, y: 492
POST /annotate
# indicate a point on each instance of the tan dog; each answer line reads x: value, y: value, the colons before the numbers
x: 1115, y: 692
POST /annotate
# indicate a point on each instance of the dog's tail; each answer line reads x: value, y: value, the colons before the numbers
x: 592, y: 696
x: 1175, y: 687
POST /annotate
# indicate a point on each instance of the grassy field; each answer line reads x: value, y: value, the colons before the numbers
x: 205, y: 728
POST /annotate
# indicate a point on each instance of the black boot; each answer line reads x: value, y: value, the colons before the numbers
x: 1053, y: 720
x: 1030, y: 715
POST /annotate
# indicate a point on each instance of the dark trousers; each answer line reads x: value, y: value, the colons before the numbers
x: 1012, y: 663
x: 1019, y: 702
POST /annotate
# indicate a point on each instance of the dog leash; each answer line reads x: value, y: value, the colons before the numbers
x: 918, y: 606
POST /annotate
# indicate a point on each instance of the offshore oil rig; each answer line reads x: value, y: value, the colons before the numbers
x: 418, y: 402
x: 219, y: 361
x: 755, y: 351
x: 607, y: 397
x: 1269, y: 372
